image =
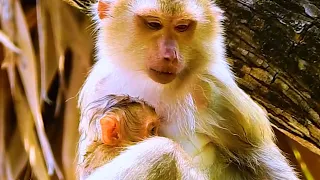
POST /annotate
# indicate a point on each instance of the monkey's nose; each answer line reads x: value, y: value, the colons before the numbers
x: 170, y: 55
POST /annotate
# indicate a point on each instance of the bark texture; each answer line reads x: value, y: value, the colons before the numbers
x: 274, y: 47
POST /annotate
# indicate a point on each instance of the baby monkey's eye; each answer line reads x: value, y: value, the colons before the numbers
x: 153, y: 131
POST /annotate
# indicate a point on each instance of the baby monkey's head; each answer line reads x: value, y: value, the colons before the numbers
x: 120, y: 121
x: 126, y: 120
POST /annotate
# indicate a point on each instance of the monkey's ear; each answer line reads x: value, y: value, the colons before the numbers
x: 110, y: 130
x: 103, y: 8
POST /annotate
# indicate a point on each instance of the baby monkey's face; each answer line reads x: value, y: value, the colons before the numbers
x: 150, y: 123
x: 137, y: 123
x: 129, y: 120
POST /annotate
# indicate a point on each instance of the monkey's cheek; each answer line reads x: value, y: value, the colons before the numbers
x: 161, y: 77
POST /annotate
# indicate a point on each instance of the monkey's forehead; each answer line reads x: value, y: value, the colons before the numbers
x: 194, y: 8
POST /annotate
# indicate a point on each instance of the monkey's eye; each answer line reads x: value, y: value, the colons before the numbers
x: 154, y: 25
x: 182, y: 27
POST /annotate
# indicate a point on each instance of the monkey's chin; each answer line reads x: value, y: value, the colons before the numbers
x: 161, y: 77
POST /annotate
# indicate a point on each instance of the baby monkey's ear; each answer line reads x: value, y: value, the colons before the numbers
x: 110, y: 130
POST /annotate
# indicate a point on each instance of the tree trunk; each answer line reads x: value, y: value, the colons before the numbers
x: 274, y: 47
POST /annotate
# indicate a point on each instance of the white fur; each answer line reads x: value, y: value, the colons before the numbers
x: 125, y: 165
x: 142, y: 5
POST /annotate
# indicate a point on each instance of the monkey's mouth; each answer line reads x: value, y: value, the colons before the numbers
x: 163, y: 77
x: 162, y: 72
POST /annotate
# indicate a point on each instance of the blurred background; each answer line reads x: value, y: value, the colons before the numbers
x: 46, y: 51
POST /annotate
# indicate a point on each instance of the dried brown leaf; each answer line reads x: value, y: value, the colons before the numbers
x: 27, y: 70
x: 4, y: 39
x: 4, y: 104
x: 60, y: 44
x: 79, y: 41
x: 300, y: 140
x: 7, y: 24
x: 9, y: 64
x: 31, y: 17
x: 9, y: 175
x: 45, y: 51
x: 28, y: 135
x: 80, y: 4
x: 303, y: 166
x: 16, y: 157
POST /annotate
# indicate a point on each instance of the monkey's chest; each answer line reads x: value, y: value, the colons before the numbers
x: 183, y: 126
x: 197, y: 145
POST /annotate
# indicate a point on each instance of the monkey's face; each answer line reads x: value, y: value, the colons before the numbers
x: 165, y: 39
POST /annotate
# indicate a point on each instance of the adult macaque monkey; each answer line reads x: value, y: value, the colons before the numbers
x: 171, y: 53
x: 122, y: 122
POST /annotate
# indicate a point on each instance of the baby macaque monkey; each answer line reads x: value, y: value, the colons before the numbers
x: 124, y: 122
x: 126, y: 126
x: 131, y: 121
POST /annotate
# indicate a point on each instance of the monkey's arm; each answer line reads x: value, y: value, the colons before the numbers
x: 243, y: 135
x: 156, y: 158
